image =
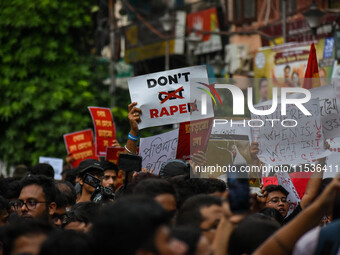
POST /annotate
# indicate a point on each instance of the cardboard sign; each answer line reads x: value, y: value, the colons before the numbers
x: 104, y: 128
x: 172, y: 96
x: 193, y: 137
x: 56, y: 163
x: 158, y: 149
x: 293, y: 144
x: 80, y: 144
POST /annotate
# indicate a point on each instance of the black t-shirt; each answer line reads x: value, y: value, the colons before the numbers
x: 296, y: 211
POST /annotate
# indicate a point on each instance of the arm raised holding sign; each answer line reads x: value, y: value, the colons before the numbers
x: 134, y: 119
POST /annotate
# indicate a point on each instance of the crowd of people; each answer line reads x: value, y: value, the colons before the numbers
x: 99, y: 209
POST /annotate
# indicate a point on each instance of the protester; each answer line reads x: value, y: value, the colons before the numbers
x: 65, y: 199
x: 4, y: 211
x: 134, y: 225
x: 110, y: 174
x: 42, y: 169
x: 92, y: 167
x: 24, y: 237
x: 160, y: 190
x: 37, y: 198
x: 81, y: 216
x: 203, y: 212
x: 66, y: 242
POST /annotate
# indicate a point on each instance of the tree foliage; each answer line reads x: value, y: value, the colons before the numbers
x: 48, y: 76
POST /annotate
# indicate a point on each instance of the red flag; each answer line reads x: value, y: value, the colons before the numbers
x: 312, y: 70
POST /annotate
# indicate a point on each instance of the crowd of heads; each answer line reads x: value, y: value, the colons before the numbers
x: 169, y: 213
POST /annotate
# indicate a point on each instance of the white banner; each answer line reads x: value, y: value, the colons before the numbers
x: 293, y: 198
x: 158, y: 149
x: 172, y: 96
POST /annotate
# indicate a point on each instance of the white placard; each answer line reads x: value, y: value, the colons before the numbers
x: 289, y: 144
x: 56, y: 163
x: 293, y: 198
x: 329, y: 109
x: 158, y: 149
x: 332, y: 162
x: 172, y: 96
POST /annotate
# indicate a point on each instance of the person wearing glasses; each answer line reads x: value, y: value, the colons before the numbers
x: 37, y: 198
x: 277, y: 199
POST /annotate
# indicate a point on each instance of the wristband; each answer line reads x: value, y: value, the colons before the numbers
x: 133, y: 138
x: 128, y: 150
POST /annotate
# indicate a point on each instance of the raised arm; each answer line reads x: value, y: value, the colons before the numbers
x: 134, y: 119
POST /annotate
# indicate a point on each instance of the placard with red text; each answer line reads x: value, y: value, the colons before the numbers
x: 104, y: 128
x: 80, y: 145
x: 172, y: 96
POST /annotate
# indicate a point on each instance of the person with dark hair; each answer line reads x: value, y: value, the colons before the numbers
x: 275, y: 196
x: 159, y: 189
x: 277, y: 199
x: 42, y: 169
x: 37, y: 197
x: 20, y: 171
x: 250, y: 233
x: 66, y: 242
x: 212, y: 186
x: 203, y: 212
x: 197, y: 243
x: 81, y: 216
x: 93, y: 167
x: 110, y: 174
x: 134, y: 225
x: 24, y: 237
x: 69, y: 175
x: 4, y: 209
x: 175, y: 167
x: 65, y: 199
x: 273, y: 213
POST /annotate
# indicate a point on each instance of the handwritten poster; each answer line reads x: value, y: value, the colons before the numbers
x: 329, y: 109
x: 293, y: 198
x: 193, y: 137
x: 56, y: 163
x: 104, y: 128
x: 298, y: 140
x: 80, y: 145
x: 172, y: 96
x: 332, y: 162
x: 158, y: 149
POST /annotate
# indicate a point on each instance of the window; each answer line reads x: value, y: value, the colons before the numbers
x: 245, y: 11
